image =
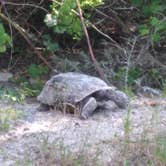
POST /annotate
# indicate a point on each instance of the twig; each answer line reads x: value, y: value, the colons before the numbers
x: 11, y: 36
x: 99, y: 31
x: 128, y: 61
x: 88, y: 42
x: 25, y: 4
x: 107, y: 36
x: 24, y: 35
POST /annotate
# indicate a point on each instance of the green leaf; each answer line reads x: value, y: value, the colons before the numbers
x: 161, y: 27
x: 144, y: 30
x: 152, y: 8
x: 154, y: 21
x: 49, y: 44
x: 4, y: 39
x: 2, y: 48
x: 65, y: 20
x: 35, y: 71
x: 156, y: 37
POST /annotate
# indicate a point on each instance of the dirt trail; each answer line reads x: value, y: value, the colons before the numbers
x: 99, y: 133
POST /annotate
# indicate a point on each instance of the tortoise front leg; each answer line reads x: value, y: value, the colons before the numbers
x: 108, y: 105
x: 88, y: 108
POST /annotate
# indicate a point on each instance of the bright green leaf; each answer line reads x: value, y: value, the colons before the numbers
x: 156, y: 37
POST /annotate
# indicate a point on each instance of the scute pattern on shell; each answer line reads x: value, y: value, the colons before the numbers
x: 74, y: 87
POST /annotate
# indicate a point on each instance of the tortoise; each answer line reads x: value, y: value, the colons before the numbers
x: 86, y: 93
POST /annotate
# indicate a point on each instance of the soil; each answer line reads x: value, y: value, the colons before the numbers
x: 100, y: 133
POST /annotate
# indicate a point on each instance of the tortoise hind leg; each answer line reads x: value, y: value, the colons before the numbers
x: 88, y: 108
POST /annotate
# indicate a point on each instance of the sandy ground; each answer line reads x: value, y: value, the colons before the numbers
x: 97, y: 134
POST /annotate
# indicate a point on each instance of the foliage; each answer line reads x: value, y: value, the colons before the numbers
x: 29, y: 90
x: 18, y: 94
x: 154, y: 78
x: 63, y: 18
x: 4, y: 39
x: 11, y: 94
x: 23, y: 87
x: 35, y: 71
x: 154, y: 25
x: 49, y: 44
x: 133, y: 74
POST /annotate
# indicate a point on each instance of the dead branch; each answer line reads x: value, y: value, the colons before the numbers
x: 98, y: 69
x: 25, y: 35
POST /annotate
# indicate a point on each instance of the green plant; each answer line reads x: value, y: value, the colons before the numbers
x: 49, y: 44
x: 133, y: 74
x: 8, y: 115
x: 154, y: 24
x: 36, y: 71
x: 127, y: 124
x: 63, y: 17
x: 164, y: 87
x: 129, y: 91
x: 161, y: 148
x: 25, y: 89
x: 154, y: 77
x: 155, y: 28
x: 4, y: 39
x: 29, y: 90
x: 11, y: 94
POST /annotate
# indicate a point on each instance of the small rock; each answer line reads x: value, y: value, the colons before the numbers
x: 5, y: 76
x: 148, y: 92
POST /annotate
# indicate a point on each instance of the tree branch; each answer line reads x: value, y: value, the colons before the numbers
x: 25, y: 36
x: 98, y: 69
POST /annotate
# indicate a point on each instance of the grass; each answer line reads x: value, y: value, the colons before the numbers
x: 57, y: 154
x: 129, y: 91
x: 7, y: 116
x: 164, y: 89
x: 144, y: 151
x: 147, y: 150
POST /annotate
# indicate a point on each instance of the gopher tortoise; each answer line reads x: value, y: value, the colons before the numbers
x: 86, y: 93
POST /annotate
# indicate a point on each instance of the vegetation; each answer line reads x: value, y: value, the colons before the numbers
x: 59, y: 154
x: 145, y: 150
x: 128, y: 41
x: 4, y: 39
x: 64, y: 17
x: 7, y: 116
x: 63, y: 20
x: 154, y: 26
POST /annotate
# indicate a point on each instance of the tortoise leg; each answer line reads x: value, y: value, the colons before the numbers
x: 119, y: 97
x: 108, y: 105
x: 88, y: 108
x: 43, y: 107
